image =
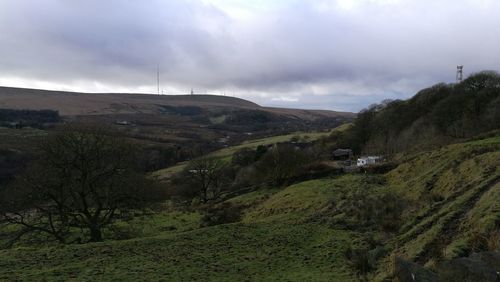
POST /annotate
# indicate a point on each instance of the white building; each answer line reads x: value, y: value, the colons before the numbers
x: 368, y: 160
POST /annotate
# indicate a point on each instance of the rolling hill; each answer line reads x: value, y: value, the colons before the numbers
x: 170, y: 128
x: 77, y: 104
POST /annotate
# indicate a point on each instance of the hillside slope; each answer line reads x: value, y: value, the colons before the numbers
x: 73, y: 104
x: 303, y: 231
x: 439, y: 115
x: 455, y: 191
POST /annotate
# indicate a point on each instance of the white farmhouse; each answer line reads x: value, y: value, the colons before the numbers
x: 368, y: 160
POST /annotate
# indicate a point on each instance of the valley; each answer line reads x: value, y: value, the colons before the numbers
x: 272, y: 206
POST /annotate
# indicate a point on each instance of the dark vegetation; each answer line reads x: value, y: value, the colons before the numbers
x: 32, y: 118
x: 207, y: 174
x: 221, y: 214
x: 264, y: 123
x: 181, y: 110
x: 211, y: 179
x: 82, y: 180
x: 438, y: 115
x: 12, y: 162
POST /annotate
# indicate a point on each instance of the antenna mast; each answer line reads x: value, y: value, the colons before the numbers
x: 158, y: 78
x: 459, y: 77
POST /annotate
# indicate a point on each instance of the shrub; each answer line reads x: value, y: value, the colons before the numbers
x: 124, y: 231
x: 359, y: 260
x: 246, y: 177
x: 480, y: 242
x: 221, y: 214
x: 493, y: 241
x: 379, y: 211
x: 281, y: 163
x: 243, y: 157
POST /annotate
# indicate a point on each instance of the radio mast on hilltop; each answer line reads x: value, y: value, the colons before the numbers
x: 460, y: 77
x: 158, y: 78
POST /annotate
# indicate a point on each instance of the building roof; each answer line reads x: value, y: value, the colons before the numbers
x: 342, y: 152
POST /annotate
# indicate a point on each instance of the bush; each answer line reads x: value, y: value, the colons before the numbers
x: 281, y: 163
x: 374, y: 211
x: 12, y: 162
x: 182, y: 187
x: 221, y: 214
x: 480, y: 242
x: 493, y: 241
x: 124, y: 231
x: 246, y: 177
x: 243, y: 157
x: 359, y: 260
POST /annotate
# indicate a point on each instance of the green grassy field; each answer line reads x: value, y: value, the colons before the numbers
x: 220, y: 253
x: 288, y: 234
x: 285, y: 247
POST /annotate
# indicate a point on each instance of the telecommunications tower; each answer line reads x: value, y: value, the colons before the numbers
x: 460, y: 69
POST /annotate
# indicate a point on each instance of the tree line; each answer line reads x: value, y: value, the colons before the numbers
x: 33, y: 118
x: 440, y: 114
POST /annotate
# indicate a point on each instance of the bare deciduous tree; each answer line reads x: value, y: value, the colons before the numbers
x: 81, y: 180
x: 281, y: 163
x: 208, y: 174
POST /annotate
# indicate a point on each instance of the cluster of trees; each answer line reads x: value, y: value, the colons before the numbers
x: 31, y: 118
x: 152, y: 158
x: 211, y: 178
x: 435, y: 115
x: 82, y: 180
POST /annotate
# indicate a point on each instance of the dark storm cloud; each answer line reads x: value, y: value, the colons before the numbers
x: 315, y: 54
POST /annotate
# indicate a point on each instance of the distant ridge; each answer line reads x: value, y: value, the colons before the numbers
x: 75, y: 103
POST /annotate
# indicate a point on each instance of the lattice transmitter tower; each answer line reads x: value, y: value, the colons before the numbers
x: 460, y: 74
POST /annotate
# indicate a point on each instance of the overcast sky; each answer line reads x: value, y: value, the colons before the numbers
x: 338, y: 54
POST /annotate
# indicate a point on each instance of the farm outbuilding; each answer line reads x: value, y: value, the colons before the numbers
x: 368, y: 160
x: 342, y: 154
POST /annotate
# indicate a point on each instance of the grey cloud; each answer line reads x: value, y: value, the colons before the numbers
x: 291, y: 49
